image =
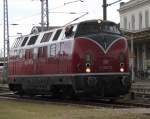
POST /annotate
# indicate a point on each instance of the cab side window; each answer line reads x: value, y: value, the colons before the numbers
x: 46, y: 37
x: 57, y: 34
x: 32, y: 40
x: 69, y: 31
x: 24, y: 41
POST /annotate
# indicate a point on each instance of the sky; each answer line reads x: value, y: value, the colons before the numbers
x: 26, y: 13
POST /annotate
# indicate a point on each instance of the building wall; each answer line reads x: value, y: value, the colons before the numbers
x: 134, y: 10
x: 141, y: 53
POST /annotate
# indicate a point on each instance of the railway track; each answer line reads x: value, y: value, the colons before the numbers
x: 4, y: 88
x: 78, y: 102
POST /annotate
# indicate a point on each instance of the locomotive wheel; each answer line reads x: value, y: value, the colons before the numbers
x: 113, y: 100
x: 56, y: 92
x: 63, y: 92
x: 20, y: 93
x: 31, y: 95
x: 69, y: 93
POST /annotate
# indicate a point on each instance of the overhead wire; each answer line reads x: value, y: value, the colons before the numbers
x: 27, y: 17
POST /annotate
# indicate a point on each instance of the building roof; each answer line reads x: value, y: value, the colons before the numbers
x: 138, y: 36
x: 125, y: 6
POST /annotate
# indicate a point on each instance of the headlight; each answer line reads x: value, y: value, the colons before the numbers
x: 88, y: 70
x: 121, y: 69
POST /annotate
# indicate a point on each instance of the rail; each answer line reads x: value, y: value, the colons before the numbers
x: 83, y: 102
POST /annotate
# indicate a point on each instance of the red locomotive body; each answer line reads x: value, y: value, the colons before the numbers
x: 89, y: 57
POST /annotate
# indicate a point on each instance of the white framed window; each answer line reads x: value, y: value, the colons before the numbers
x: 140, y: 20
x: 146, y: 19
x: 133, y: 22
x: 125, y: 22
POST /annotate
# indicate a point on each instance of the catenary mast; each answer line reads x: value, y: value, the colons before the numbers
x: 44, y: 15
x: 104, y: 9
x: 6, y: 38
x: 105, y: 5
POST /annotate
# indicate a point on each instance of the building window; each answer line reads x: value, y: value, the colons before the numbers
x: 133, y: 22
x: 140, y: 21
x: 129, y: 25
x: 125, y: 22
x: 146, y: 19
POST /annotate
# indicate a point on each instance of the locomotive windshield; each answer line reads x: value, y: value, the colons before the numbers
x: 110, y: 27
x: 94, y: 27
x: 88, y: 28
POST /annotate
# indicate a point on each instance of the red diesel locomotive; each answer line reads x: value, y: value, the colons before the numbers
x: 89, y: 57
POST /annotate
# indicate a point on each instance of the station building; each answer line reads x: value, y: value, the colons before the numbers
x: 135, y: 23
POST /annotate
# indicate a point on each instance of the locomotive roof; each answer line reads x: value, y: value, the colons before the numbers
x: 102, y: 21
x: 35, y: 39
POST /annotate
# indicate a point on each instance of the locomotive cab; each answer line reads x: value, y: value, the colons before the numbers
x: 101, y: 55
x: 104, y: 35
